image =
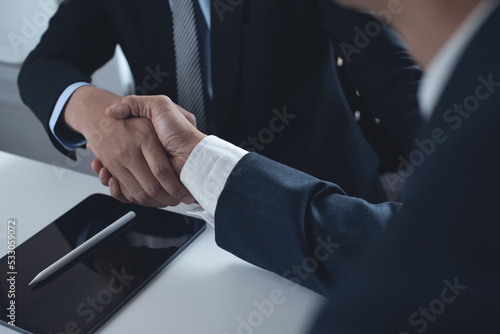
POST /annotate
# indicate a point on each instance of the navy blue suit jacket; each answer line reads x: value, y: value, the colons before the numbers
x: 267, y: 56
x: 431, y: 264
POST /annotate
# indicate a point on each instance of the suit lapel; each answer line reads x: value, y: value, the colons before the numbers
x: 226, y: 21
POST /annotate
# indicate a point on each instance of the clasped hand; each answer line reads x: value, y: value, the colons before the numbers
x: 175, y: 128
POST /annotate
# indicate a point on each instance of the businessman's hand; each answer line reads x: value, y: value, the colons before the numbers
x: 129, y: 148
x: 175, y: 127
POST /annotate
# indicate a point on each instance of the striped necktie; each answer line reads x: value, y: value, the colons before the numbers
x: 188, y: 64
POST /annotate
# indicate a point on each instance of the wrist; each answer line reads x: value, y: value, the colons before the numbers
x: 186, y: 151
x: 86, y: 107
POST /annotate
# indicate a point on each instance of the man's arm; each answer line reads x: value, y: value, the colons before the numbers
x: 129, y: 148
x: 78, y: 41
x: 293, y: 224
x: 57, y: 126
x: 271, y: 215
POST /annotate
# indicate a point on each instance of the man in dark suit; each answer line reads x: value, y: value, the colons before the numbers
x: 276, y: 87
x: 430, y: 264
x: 437, y: 268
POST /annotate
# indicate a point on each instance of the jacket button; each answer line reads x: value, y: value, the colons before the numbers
x: 357, y: 115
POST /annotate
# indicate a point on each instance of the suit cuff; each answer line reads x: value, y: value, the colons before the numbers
x: 69, y: 139
x: 207, y: 169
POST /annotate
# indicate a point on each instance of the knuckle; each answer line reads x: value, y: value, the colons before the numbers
x: 177, y: 191
x: 129, y: 99
x: 155, y: 190
x: 128, y: 198
x: 142, y: 197
x: 119, y: 196
x: 142, y: 129
x: 160, y: 170
x: 122, y: 153
x: 115, y: 192
x: 166, y: 99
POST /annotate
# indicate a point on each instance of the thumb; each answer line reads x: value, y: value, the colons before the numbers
x: 130, y: 106
x: 119, y: 110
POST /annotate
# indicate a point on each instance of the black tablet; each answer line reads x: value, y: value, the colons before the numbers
x: 80, y: 297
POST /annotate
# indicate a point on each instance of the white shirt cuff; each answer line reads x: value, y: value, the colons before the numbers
x: 207, y: 169
x: 57, y: 112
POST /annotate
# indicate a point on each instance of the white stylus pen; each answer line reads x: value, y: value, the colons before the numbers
x: 50, y: 270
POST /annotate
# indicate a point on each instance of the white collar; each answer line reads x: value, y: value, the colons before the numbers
x: 441, y: 67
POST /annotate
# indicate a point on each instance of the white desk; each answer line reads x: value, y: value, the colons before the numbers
x: 220, y: 286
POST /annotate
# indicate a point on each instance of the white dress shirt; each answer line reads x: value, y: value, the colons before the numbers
x: 72, y: 145
x: 206, y: 171
x: 441, y: 67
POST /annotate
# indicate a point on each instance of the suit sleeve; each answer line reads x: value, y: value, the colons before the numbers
x: 435, y: 270
x: 377, y: 64
x: 77, y: 42
x: 293, y: 224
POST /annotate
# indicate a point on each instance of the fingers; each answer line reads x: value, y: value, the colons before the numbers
x: 135, y: 194
x: 120, y: 110
x: 141, y: 171
x: 141, y: 186
x: 122, y: 194
x: 118, y: 191
x: 115, y: 190
x: 96, y: 165
x: 140, y: 107
x: 150, y: 191
x: 130, y: 106
x: 103, y: 172
x: 104, y: 176
x: 162, y: 171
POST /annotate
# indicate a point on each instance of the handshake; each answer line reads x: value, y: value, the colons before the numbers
x: 143, y: 148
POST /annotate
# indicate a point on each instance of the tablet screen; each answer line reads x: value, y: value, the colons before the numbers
x: 80, y: 297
